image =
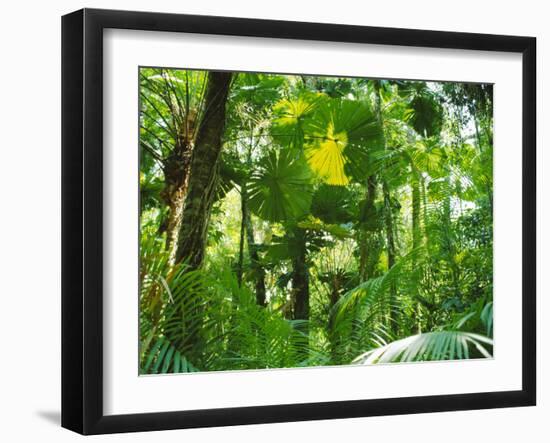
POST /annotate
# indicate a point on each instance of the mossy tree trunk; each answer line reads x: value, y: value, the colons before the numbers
x: 203, y: 176
x: 201, y: 193
x: 176, y: 172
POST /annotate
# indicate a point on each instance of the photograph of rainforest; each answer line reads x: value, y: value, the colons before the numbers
x: 290, y: 221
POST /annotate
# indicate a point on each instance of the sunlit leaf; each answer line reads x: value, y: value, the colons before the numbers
x: 291, y: 115
x: 338, y: 140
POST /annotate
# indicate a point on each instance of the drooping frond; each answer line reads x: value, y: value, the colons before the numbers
x: 161, y: 357
x: 437, y: 345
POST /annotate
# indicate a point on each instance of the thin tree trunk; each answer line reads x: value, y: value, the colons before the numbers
x: 390, y: 241
x: 416, y: 239
x: 366, y: 252
x: 416, y: 232
x: 424, y: 206
x: 447, y: 222
x: 247, y: 231
x: 478, y: 136
x: 240, y: 263
x: 300, y: 289
x: 300, y: 276
x: 488, y: 187
x: 335, y: 338
x: 388, y: 218
x: 257, y: 268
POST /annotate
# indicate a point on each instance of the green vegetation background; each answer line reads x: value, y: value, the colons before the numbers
x: 291, y: 221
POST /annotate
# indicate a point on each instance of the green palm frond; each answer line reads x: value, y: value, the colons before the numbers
x: 437, y: 345
x: 425, y: 114
x: 257, y: 337
x: 333, y: 204
x: 372, y: 291
x: 171, y: 298
x: 479, y: 318
x: 257, y: 89
x: 291, y: 115
x: 339, y: 137
x: 487, y: 318
x: 161, y: 357
x: 280, y: 189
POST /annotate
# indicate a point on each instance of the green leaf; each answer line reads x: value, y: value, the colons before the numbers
x: 160, y: 357
x: 426, y: 116
x: 167, y: 360
x: 277, y: 252
x: 487, y: 318
x: 315, y: 224
x: 333, y: 204
x: 437, y: 345
x: 338, y: 140
x: 152, y: 354
x: 257, y: 89
x: 177, y: 362
x: 281, y: 187
x: 288, y: 127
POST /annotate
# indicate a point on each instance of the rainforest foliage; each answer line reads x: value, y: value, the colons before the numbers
x: 292, y: 221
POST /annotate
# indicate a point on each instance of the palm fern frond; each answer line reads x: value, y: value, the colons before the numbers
x: 437, y: 345
x: 162, y: 358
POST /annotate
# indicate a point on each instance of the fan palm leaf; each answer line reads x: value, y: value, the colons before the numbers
x: 280, y: 188
x: 338, y: 139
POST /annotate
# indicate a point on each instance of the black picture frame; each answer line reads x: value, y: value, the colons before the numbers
x: 82, y: 218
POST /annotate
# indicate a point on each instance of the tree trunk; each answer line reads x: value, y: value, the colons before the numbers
x: 488, y: 187
x: 337, y: 344
x: 366, y: 244
x: 300, y: 276
x: 247, y: 230
x: 257, y: 269
x: 390, y: 240
x: 416, y: 239
x: 203, y: 176
x: 416, y: 233
x: 300, y: 290
x: 176, y: 179
x: 244, y: 216
x: 450, y: 246
x: 388, y: 218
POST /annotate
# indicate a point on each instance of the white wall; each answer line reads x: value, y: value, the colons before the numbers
x: 30, y: 220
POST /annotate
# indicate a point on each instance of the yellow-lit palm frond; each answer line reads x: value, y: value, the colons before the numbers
x: 326, y: 157
x: 339, y: 139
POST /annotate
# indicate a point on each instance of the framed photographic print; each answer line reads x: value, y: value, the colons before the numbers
x: 270, y: 221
